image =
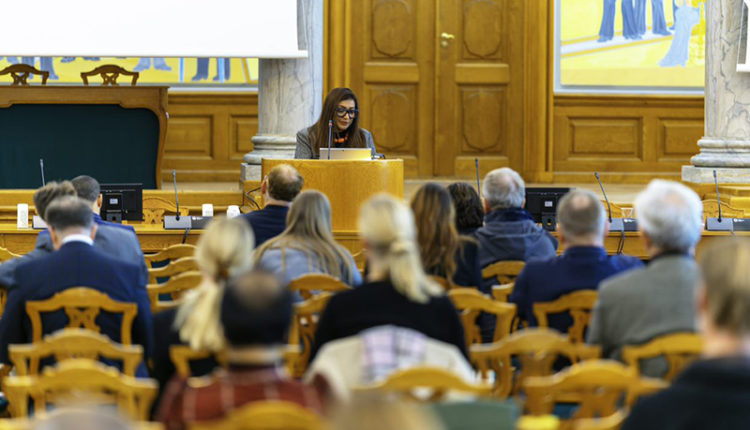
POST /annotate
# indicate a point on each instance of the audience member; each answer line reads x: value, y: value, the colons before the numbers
x: 713, y: 392
x: 282, y: 184
x: 509, y: 232
x: 398, y: 292
x: 255, y: 313
x: 75, y: 263
x: 444, y: 253
x: 307, y: 245
x: 223, y: 249
x: 89, y: 190
x: 581, y: 226
x: 469, y: 210
x: 639, y: 305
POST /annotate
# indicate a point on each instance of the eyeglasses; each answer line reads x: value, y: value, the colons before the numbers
x: 341, y: 112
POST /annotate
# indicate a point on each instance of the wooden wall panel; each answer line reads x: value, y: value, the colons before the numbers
x: 208, y: 134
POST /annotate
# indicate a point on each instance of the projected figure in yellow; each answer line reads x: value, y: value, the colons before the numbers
x: 686, y: 17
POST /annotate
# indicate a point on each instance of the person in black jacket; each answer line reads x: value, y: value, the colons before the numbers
x: 397, y: 291
x: 713, y: 392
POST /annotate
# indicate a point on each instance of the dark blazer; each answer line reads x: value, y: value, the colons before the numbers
x: 306, y: 143
x: 267, y: 223
x: 710, y: 394
x: 378, y: 303
x: 74, y: 264
x: 578, y: 268
x: 468, y: 272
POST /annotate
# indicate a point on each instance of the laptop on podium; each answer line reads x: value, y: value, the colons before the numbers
x: 346, y: 153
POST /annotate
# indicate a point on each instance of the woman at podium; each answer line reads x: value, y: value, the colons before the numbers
x: 341, y: 111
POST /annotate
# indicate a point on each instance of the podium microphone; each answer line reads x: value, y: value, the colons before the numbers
x: 330, y: 128
x: 719, y: 224
x: 616, y: 224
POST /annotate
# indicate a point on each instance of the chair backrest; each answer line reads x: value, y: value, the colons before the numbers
x: 471, y: 303
x: 175, y: 287
x: 578, y: 303
x: 313, y: 283
x: 173, y: 252
x: 501, y: 292
x: 154, y: 209
x: 598, y: 387
x: 535, y: 350
x: 82, y: 305
x: 182, y: 355
x: 74, y: 343
x: 266, y: 415
x: 503, y: 271
x: 175, y: 267
x: 612, y: 422
x: 678, y: 349
x: 3, y: 299
x: 109, y: 74
x: 6, y: 255
x: 440, y: 382
x: 302, y: 331
x: 71, y: 378
x: 21, y: 72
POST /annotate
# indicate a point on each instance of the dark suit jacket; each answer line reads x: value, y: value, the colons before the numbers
x: 75, y: 264
x: 267, y: 223
x: 579, y: 268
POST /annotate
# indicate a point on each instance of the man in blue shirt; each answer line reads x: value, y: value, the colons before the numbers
x: 279, y: 188
x: 582, y: 226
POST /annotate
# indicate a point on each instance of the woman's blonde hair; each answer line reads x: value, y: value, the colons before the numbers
x: 726, y: 276
x: 225, y: 248
x: 387, y: 225
x: 437, y: 237
x: 308, y: 229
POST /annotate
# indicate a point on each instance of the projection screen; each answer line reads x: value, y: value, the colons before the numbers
x: 151, y: 28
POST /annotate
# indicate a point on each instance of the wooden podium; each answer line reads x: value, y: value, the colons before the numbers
x: 347, y: 183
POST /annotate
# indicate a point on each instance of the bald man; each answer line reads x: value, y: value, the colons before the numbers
x: 279, y: 188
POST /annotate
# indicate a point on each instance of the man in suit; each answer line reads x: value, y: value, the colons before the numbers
x: 582, y: 227
x: 642, y: 304
x: 118, y: 242
x: 629, y: 26
x: 74, y: 263
x: 279, y: 188
x: 658, y: 20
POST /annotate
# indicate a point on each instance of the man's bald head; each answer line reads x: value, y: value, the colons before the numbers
x: 284, y: 183
x: 581, y: 216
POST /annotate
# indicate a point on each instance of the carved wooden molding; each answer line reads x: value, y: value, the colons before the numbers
x: 109, y: 74
x: 21, y: 72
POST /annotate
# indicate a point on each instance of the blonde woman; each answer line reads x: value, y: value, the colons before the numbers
x: 307, y: 245
x: 397, y: 291
x: 223, y: 249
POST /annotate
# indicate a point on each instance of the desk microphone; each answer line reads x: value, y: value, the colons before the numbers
x: 720, y: 224
x: 176, y: 222
x: 36, y: 221
x: 330, y: 128
x: 476, y: 167
x: 616, y: 224
x: 41, y: 167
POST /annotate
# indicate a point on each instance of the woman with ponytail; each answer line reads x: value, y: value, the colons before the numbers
x: 397, y: 291
x: 225, y: 248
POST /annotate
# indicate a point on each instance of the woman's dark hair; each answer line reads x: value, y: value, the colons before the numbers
x: 436, y: 230
x: 469, y: 210
x: 319, y: 130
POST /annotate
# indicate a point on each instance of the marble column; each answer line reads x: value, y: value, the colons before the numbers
x: 290, y: 93
x: 726, y: 144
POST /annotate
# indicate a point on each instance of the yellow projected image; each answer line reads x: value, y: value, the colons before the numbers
x: 632, y: 43
x: 168, y: 71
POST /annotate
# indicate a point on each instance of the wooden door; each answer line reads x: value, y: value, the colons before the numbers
x: 479, y: 103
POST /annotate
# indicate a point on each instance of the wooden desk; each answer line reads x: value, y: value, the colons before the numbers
x: 347, y: 183
x: 90, y: 144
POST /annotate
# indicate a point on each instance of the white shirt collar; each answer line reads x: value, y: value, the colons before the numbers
x: 78, y: 238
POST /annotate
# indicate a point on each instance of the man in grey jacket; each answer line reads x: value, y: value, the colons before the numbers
x: 642, y: 304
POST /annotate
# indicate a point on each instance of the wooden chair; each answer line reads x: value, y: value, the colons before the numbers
x: 173, y: 252
x: 437, y: 380
x: 302, y: 331
x: 535, y: 350
x: 6, y: 255
x: 678, y: 349
x: 501, y: 292
x: 176, y: 286
x: 598, y: 384
x: 71, y: 378
x: 74, y: 343
x: 154, y: 209
x: 21, y: 73
x: 578, y: 303
x: 266, y: 415
x: 82, y: 305
x: 711, y: 210
x: 309, y: 285
x: 175, y: 267
x: 182, y: 355
x: 471, y: 303
x: 31, y: 424
x: 109, y: 74
x: 503, y: 271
